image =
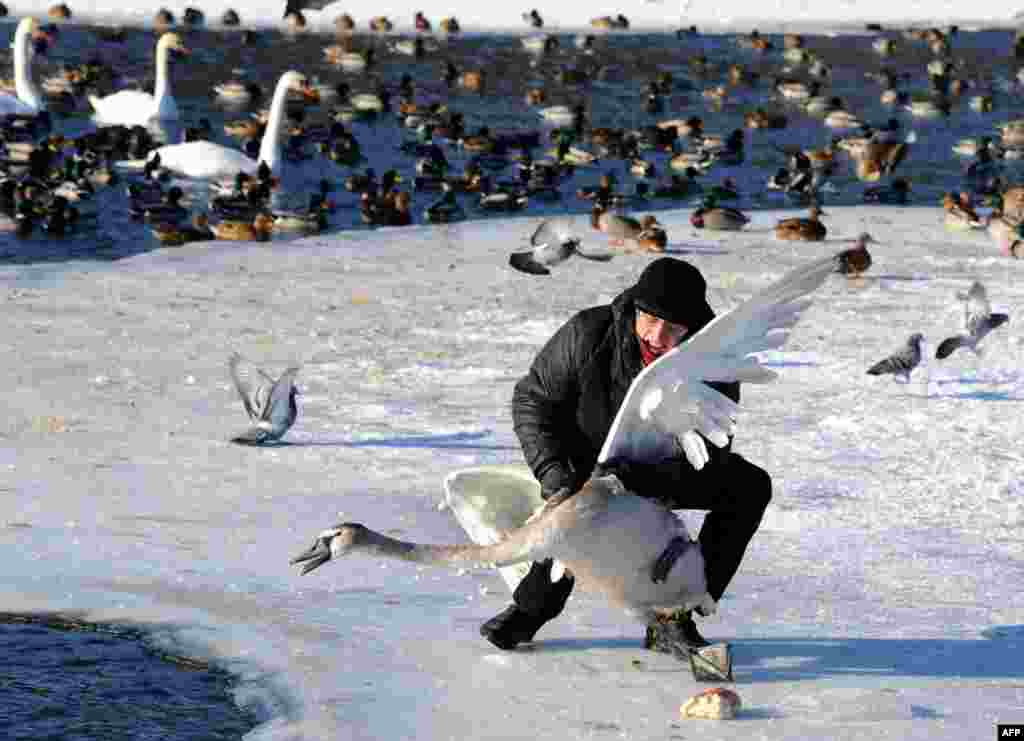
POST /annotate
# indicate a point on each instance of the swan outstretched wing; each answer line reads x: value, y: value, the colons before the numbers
x: 670, y: 397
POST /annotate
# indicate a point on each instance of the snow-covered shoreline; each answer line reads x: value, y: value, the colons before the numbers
x: 874, y: 603
x: 653, y: 15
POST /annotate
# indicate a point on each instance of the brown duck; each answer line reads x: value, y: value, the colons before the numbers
x: 809, y: 229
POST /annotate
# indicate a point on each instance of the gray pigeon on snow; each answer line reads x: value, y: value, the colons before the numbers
x: 271, y: 406
x: 553, y: 242
x: 901, y: 362
x: 978, y: 320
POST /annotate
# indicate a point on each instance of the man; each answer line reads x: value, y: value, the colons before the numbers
x: 562, y: 411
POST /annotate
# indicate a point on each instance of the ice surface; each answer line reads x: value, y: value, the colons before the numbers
x: 881, y: 596
x: 880, y: 600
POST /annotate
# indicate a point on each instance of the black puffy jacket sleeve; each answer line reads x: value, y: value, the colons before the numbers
x: 544, y: 405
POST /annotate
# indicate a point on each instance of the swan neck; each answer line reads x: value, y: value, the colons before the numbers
x: 270, y: 147
x: 24, y: 87
x: 381, y: 545
x: 161, y: 87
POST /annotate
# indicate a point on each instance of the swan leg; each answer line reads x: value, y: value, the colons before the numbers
x: 709, y: 662
x: 663, y: 565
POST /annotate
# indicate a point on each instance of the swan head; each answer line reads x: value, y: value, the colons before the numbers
x: 172, y: 42
x: 297, y: 82
x: 332, y: 543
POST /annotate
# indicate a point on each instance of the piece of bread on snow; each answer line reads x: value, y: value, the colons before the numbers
x: 716, y: 703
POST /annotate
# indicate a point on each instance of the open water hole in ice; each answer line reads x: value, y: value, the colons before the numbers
x: 82, y: 683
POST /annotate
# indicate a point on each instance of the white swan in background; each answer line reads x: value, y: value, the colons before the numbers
x: 137, y: 107
x: 206, y: 159
x: 612, y: 540
x: 28, y: 100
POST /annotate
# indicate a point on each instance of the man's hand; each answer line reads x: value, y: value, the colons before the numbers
x: 695, y: 449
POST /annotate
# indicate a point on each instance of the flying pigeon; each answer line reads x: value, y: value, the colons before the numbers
x: 553, y: 242
x: 978, y: 320
x: 271, y: 406
x: 901, y: 362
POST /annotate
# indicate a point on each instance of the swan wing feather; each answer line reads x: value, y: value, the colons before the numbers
x: 670, y: 395
x: 205, y: 159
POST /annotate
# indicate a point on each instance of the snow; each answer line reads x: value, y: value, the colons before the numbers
x: 880, y: 600
x: 657, y: 15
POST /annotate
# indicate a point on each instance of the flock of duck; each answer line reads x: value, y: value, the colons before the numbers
x: 322, y: 133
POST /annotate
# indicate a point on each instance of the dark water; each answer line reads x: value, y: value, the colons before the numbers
x: 609, y: 81
x: 107, y: 683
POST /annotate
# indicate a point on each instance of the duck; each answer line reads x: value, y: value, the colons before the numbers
x: 970, y: 146
x: 131, y: 107
x: 350, y: 61
x: 27, y: 100
x: 856, y: 260
x: 205, y: 159
x: 873, y: 159
x: 311, y: 220
x: 796, y: 89
x: 842, y: 119
x: 809, y: 229
x: 759, y: 118
x: 718, y: 218
x: 501, y: 199
x: 238, y: 92
x: 619, y: 227
x: 175, y: 234
x: 959, y: 213
x: 642, y: 168
x: 446, y: 209
x: 1007, y: 233
x: 652, y: 236
x: 395, y: 213
x: 257, y: 230
x: 164, y: 207
x: 1013, y: 202
x: 421, y: 23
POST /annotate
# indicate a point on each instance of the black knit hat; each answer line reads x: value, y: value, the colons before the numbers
x: 673, y: 290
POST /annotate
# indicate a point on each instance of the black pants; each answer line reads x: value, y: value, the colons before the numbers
x: 735, y: 493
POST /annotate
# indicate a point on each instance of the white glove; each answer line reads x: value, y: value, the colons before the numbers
x: 695, y: 449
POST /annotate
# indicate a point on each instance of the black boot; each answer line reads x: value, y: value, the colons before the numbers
x: 679, y: 628
x: 511, y: 627
x: 536, y: 600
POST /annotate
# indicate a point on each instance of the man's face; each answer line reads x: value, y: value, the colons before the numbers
x: 658, y: 335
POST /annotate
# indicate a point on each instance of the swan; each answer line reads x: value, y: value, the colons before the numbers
x: 633, y: 550
x: 206, y: 159
x: 27, y: 100
x: 137, y: 107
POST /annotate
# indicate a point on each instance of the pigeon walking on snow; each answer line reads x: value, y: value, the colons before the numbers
x: 271, y: 406
x: 901, y: 362
x: 978, y: 320
x: 553, y: 242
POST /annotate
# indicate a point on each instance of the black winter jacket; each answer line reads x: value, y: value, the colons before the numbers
x: 564, y: 406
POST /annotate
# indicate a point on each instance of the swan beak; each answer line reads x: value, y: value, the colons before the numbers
x: 315, y: 557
